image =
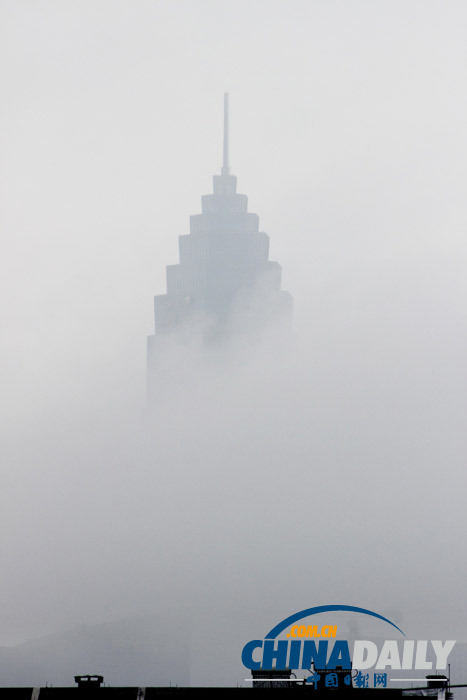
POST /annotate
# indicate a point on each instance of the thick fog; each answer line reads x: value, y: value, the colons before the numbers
x: 280, y: 474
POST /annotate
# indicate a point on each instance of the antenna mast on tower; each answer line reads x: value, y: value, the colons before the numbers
x: 225, y: 166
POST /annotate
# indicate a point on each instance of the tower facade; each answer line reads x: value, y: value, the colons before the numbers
x: 224, y: 282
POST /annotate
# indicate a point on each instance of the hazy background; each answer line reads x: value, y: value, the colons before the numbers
x: 334, y: 473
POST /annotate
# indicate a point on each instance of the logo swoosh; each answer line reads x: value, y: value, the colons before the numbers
x: 320, y: 609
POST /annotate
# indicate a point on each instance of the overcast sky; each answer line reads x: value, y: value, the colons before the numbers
x: 349, y: 135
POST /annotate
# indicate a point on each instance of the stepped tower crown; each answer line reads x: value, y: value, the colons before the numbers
x: 224, y: 262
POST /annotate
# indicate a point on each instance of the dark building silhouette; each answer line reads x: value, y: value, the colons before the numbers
x: 92, y: 687
x: 224, y: 283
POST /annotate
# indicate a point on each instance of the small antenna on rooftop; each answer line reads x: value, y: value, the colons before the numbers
x: 225, y: 165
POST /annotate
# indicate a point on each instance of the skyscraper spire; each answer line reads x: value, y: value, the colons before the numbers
x: 225, y: 166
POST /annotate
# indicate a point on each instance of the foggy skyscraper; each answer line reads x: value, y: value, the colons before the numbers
x: 277, y: 470
x: 225, y: 282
